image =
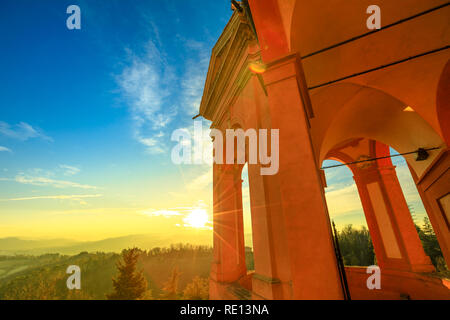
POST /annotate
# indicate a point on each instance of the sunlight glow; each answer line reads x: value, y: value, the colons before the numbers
x: 197, y: 218
x: 408, y: 109
x: 257, y: 67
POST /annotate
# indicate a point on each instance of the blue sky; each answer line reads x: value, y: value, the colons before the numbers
x: 86, y: 117
x: 89, y: 112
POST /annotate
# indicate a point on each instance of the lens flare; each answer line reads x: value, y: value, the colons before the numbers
x: 257, y: 67
x: 197, y: 218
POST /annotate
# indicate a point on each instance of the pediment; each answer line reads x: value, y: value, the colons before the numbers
x: 226, y: 57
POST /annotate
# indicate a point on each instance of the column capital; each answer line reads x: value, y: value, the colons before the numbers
x: 228, y: 169
x: 282, y: 68
x: 366, y: 175
x: 289, y: 68
x: 372, y: 173
x: 387, y: 169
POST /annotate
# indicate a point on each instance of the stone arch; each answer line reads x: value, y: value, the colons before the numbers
x: 394, y: 237
x: 344, y: 159
x: 318, y: 24
x: 364, y: 112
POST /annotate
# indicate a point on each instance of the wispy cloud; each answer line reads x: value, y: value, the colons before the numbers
x: 343, y: 200
x: 172, y: 212
x: 193, y: 81
x: 145, y: 84
x: 160, y: 213
x: 4, y: 149
x: 59, y: 197
x: 22, y: 131
x: 44, y: 181
x: 157, y: 91
x: 69, y: 170
x: 192, y: 217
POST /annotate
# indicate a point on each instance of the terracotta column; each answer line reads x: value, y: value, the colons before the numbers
x: 301, y: 204
x: 434, y: 189
x: 272, y: 277
x: 394, y: 236
x: 229, y: 249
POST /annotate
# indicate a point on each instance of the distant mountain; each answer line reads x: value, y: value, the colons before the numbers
x: 18, y: 244
x: 12, y: 246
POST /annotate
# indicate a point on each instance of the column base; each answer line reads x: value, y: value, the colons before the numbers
x: 264, y: 287
x: 402, y: 265
x: 228, y: 291
x: 227, y: 276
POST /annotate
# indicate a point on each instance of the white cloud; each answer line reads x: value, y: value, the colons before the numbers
x: 145, y: 84
x: 22, y: 131
x: 43, y: 181
x: 59, y: 197
x: 155, y: 94
x: 4, y: 149
x: 195, y: 74
x: 69, y: 170
x: 194, y: 216
x: 343, y: 200
x: 160, y: 213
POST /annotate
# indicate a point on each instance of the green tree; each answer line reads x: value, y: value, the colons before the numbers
x: 431, y: 245
x: 356, y: 246
x: 130, y: 284
x: 198, y: 289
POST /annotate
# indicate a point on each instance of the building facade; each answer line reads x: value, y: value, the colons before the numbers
x: 335, y: 90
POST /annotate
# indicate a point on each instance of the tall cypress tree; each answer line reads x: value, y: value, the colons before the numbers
x: 130, y: 284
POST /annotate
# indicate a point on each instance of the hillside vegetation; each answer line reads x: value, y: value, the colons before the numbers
x: 44, y: 277
x: 178, y: 272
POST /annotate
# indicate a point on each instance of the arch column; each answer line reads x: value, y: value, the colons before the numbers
x: 434, y: 189
x: 272, y: 277
x: 394, y: 236
x: 301, y: 202
x: 229, y: 248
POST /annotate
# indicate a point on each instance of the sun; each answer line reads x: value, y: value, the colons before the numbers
x: 197, y: 218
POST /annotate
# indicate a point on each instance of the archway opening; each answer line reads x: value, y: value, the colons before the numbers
x: 418, y: 213
x: 346, y: 211
x: 388, y: 195
x: 248, y: 232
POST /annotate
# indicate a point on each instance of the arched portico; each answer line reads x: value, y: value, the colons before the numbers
x: 229, y: 248
x: 373, y: 114
x: 396, y: 242
x: 322, y: 96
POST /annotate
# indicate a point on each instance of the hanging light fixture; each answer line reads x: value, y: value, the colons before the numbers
x: 422, y: 154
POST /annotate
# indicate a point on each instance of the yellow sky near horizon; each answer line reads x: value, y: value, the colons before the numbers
x: 186, y: 209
